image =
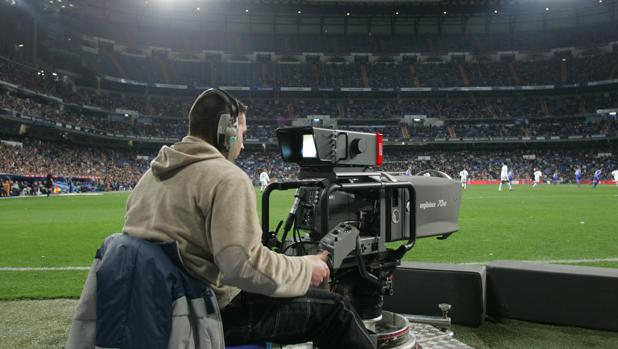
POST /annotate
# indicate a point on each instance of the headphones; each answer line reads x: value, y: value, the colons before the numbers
x: 227, y: 127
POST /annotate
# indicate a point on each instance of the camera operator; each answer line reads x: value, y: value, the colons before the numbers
x: 194, y: 194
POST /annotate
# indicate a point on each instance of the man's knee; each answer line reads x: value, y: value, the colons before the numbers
x: 330, y: 304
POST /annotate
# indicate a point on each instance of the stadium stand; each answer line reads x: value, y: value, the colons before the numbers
x: 455, y: 100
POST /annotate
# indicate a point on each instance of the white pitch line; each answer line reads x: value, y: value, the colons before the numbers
x: 53, y: 196
x: 555, y: 261
x: 42, y: 268
x: 550, y: 261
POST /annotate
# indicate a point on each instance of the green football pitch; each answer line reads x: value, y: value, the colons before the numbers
x: 45, y: 238
x: 46, y: 245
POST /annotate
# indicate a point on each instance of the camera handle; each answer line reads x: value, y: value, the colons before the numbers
x: 269, y: 238
x: 361, y: 266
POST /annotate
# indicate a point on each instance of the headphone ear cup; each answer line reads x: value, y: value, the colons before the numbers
x: 231, y: 135
x: 222, y: 130
x: 227, y: 132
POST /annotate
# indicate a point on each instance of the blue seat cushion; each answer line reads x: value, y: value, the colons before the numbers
x: 252, y: 346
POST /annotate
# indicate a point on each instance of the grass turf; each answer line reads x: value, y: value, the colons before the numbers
x: 33, y: 324
x: 553, y: 223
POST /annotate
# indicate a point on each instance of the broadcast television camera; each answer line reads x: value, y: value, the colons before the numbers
x: 343, y: 206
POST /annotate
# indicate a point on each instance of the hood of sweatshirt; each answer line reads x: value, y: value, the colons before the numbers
x: 189, y: 150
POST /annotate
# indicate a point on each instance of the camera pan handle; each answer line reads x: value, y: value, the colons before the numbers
x: 266, y: 237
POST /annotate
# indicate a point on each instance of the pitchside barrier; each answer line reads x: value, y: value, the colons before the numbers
x: 420, y: 287
x: 554, y: 294
x: 546, y: 293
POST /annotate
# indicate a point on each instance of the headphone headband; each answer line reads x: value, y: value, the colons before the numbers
x: 229, y: 100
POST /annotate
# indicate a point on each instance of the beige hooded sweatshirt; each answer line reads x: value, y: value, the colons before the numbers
x: 193, y: 195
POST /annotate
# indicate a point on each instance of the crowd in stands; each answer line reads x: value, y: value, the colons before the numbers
x: 285, y: 109
x: 97, y: 122
x: 439, y: 72
x: 521, y: 128
x: 23, y: 168
x: 34, y: 159
x: 495, y: 117
x: 166, y: 114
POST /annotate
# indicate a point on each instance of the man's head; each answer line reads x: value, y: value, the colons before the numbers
x: 219, y: 119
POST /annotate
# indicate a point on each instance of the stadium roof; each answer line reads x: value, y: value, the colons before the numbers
x: 324, y: 7
x: 336, y: 16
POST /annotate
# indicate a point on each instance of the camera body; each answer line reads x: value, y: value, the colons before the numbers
x: 355, y: 213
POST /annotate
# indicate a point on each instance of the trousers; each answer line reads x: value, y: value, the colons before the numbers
x: 325, y: 318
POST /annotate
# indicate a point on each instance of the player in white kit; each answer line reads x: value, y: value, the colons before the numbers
x: 504, y: 177
x: 264, y: 179
x: 463, y: 174
x: 537, y: 177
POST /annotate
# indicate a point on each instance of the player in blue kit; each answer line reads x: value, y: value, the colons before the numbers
x: 555, y: 177
x: 578, y: 176
x: 597, y: 178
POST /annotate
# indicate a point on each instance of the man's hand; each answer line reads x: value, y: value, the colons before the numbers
x: 319, y: 269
